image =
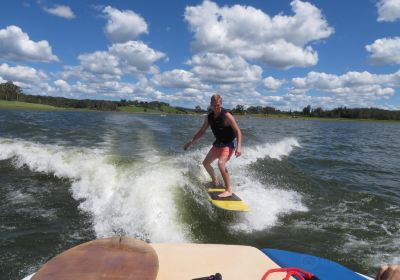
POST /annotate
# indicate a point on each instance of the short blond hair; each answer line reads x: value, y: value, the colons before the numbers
x: 216, y: 97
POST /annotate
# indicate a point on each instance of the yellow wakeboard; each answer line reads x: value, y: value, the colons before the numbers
x: 231, y: 203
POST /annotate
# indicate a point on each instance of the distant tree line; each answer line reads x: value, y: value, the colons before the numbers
x: 340, y: 112
x: 155, y: 105
x: 145, y: 104
x: 239, y: 109
x: 11, y: 92
x: 352, y: 113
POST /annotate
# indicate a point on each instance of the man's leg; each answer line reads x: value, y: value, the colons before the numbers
x: 225, y: 175
x: 207, y: 165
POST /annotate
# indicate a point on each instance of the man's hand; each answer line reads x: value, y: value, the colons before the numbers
x: 187, y: 145
x: 391, y: 272
x: 198, y: 134
x: 238, y: 152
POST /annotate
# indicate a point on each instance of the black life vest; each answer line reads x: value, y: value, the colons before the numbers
x: 224, y: 135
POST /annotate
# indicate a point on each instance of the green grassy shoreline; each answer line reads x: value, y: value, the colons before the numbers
x: 42, y: 107
x: 29, y: 106
x: 165, y: 110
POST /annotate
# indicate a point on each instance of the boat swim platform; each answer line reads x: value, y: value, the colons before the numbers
x: 128, y: 258
x: 190, y: 261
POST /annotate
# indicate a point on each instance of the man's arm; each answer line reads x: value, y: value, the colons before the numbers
x: 198, y: 135
x: 232, y: 122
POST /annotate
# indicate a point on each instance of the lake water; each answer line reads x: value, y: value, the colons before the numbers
x: 327, y: 188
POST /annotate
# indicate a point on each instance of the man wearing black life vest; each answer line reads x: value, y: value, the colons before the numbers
x: 225, y: 130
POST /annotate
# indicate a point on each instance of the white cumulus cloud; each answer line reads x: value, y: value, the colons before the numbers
x: 132, y: 57
x: 100, y: 63
x: 279, y: 41
x: 21, y: 74
x: 388, y: 10
x: 60, y: 11
x: 82, y: 73
x: 178, y: 78
x: 271, y: 83
x: 62, y: 85
x: 354, y: 86
x: 136, y: 56
x: 220, y: 68
x: 123, y: 26
x: 385, y: 51
x: 31, y: 80
x: 15, y: 45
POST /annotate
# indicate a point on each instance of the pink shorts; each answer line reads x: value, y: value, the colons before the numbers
x: 218, y: 152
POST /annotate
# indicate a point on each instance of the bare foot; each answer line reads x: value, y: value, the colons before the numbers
x: 225, y: 194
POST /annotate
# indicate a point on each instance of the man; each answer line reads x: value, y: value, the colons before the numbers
x: 225, y: 130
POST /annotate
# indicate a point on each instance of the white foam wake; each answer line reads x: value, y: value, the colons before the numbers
x: 135, y: 200
x: 273, y: 150
x: 138, y: 198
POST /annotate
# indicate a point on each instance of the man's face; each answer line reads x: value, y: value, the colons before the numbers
x: 216, y: 105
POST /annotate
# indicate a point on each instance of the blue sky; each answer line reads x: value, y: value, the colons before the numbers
x: 284, y: 54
